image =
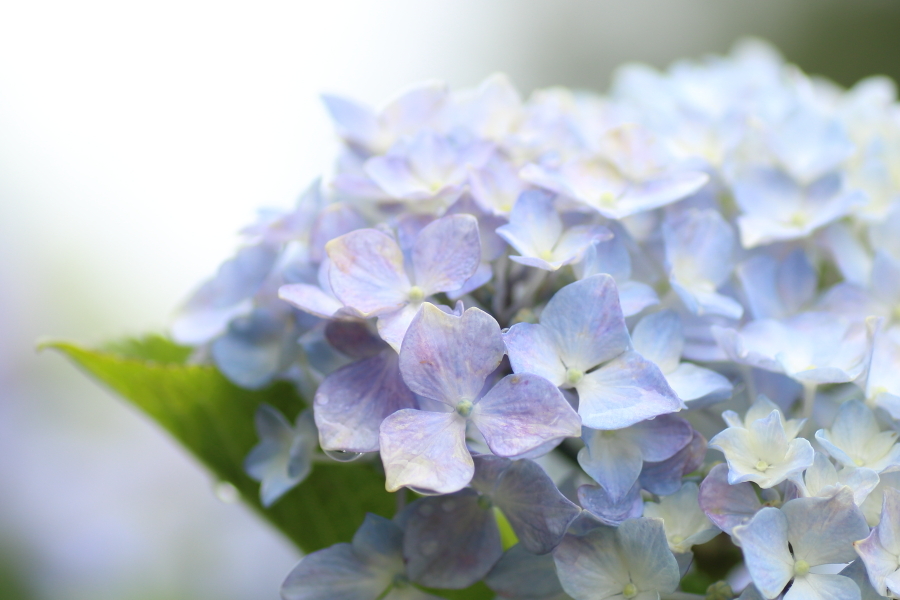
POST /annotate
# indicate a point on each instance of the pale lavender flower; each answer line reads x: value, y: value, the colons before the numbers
x: 537, y: 232
x: 612, y: 258
x: 581, y: 342
x: 447, y: 359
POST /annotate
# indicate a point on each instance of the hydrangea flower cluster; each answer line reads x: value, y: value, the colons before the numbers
x: 533, y: 314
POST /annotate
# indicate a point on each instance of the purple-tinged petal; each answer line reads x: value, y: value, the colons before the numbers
x: 353, y: 121
x: 335, y: 572
x: 311, y: 299
x: 764, y: 541
x: 446, y: 254
x: 394, y: 175
x: 598, y: 502
x: 334, y: 220
x: 662, y: 437
x: 857, y: 572
x: 612, y: 459
x: 524, y: 575
x: 448, y: 358
x: 352, y: 402
x: 533, y: 348
x: 624, y: 391
x: 523, y: 412
x: 392, y: 326
x: 367, y: 271
x: 659, y: 338
x: 881, y: 548
x: 538, y: 513
x: 588, y: 322
x: 483, y: 274
x: 664, y: 478
x: 426, y: 451
x: 650, y: 562
x: 450, y: 541
x: 256, y: 347
x: 353, y: 338
x: 652, y: 194
x: 727, y: 505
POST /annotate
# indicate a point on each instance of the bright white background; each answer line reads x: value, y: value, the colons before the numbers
x: 136, y: 138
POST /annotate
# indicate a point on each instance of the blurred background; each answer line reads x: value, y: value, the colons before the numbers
x: 137, y: 138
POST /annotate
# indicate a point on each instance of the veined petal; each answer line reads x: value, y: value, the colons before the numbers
x: 425, y: 450
x: 588, y: 322
x: 448, y: 358
x: 523, y: 412
x: 590, y: 567
x: 523, y: 574
x: 537, y: 511
x: 609, y: 511
x: 612, y: 459
x: 624, y: 391
x: 534, y: 224
x: 646, y: 552
x: 533, y: 349
x: 446, y: 253
x: 351, y: 402
x: 335, y: 572
x: 659, y: 338
x: 822, y: 530
x: 698, y: 386
x: 817, y: 586
x: 367, y: 271
x: 727, y: 505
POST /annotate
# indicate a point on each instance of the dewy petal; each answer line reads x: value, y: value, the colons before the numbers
x: 822, y: 530
x: 367, y: 271
x: 659, y: 338
x: 764, y: 541
x: 351, y: 402
x: 612, y: 459
x: 727, y: 505
x: 446, y: 253
x: 533, y: 349
x: 448, y: 358
x: 588, y: 322
x: 450, y: 541
x: 538, y: 512
x: 590, y: 566
x: 646, y: 552
x: 608, y: 511
x: 425, y: 450
x: 523, y: 412
x: 335, y: 572
x: 624, y: 391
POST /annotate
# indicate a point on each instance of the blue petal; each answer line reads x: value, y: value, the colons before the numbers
x: 335, y: 572
x: 525, y: 575
x: 609, y: 511
x: 446, y: 254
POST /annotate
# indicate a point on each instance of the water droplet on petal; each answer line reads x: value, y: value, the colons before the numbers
x: 226, y: 492
x: 341, y: 456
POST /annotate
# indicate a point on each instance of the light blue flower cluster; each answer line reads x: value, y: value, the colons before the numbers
x: 537, y: 312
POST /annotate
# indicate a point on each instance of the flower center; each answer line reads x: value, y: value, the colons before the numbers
x: 801, y: 568
x: 762, y: 465
x: 573, y: 376
x: 630, y: 591
x: 464, y: 407
x: 416, y: 294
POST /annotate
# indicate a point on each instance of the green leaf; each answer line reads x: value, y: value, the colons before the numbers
x: 213, y: 419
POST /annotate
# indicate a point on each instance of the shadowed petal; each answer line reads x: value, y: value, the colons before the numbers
x: 523, y: 412
x: 537, y: 511
x: 425, y: 450
x: 727, y: 505
x: 335, y: 573
x: 764, y: 541
x: 451, y: 541
x: 612, y: 459
x: 599, y: 503
x: 522, y: 574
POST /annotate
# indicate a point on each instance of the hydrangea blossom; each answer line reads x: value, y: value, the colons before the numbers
x: 536, y: 310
